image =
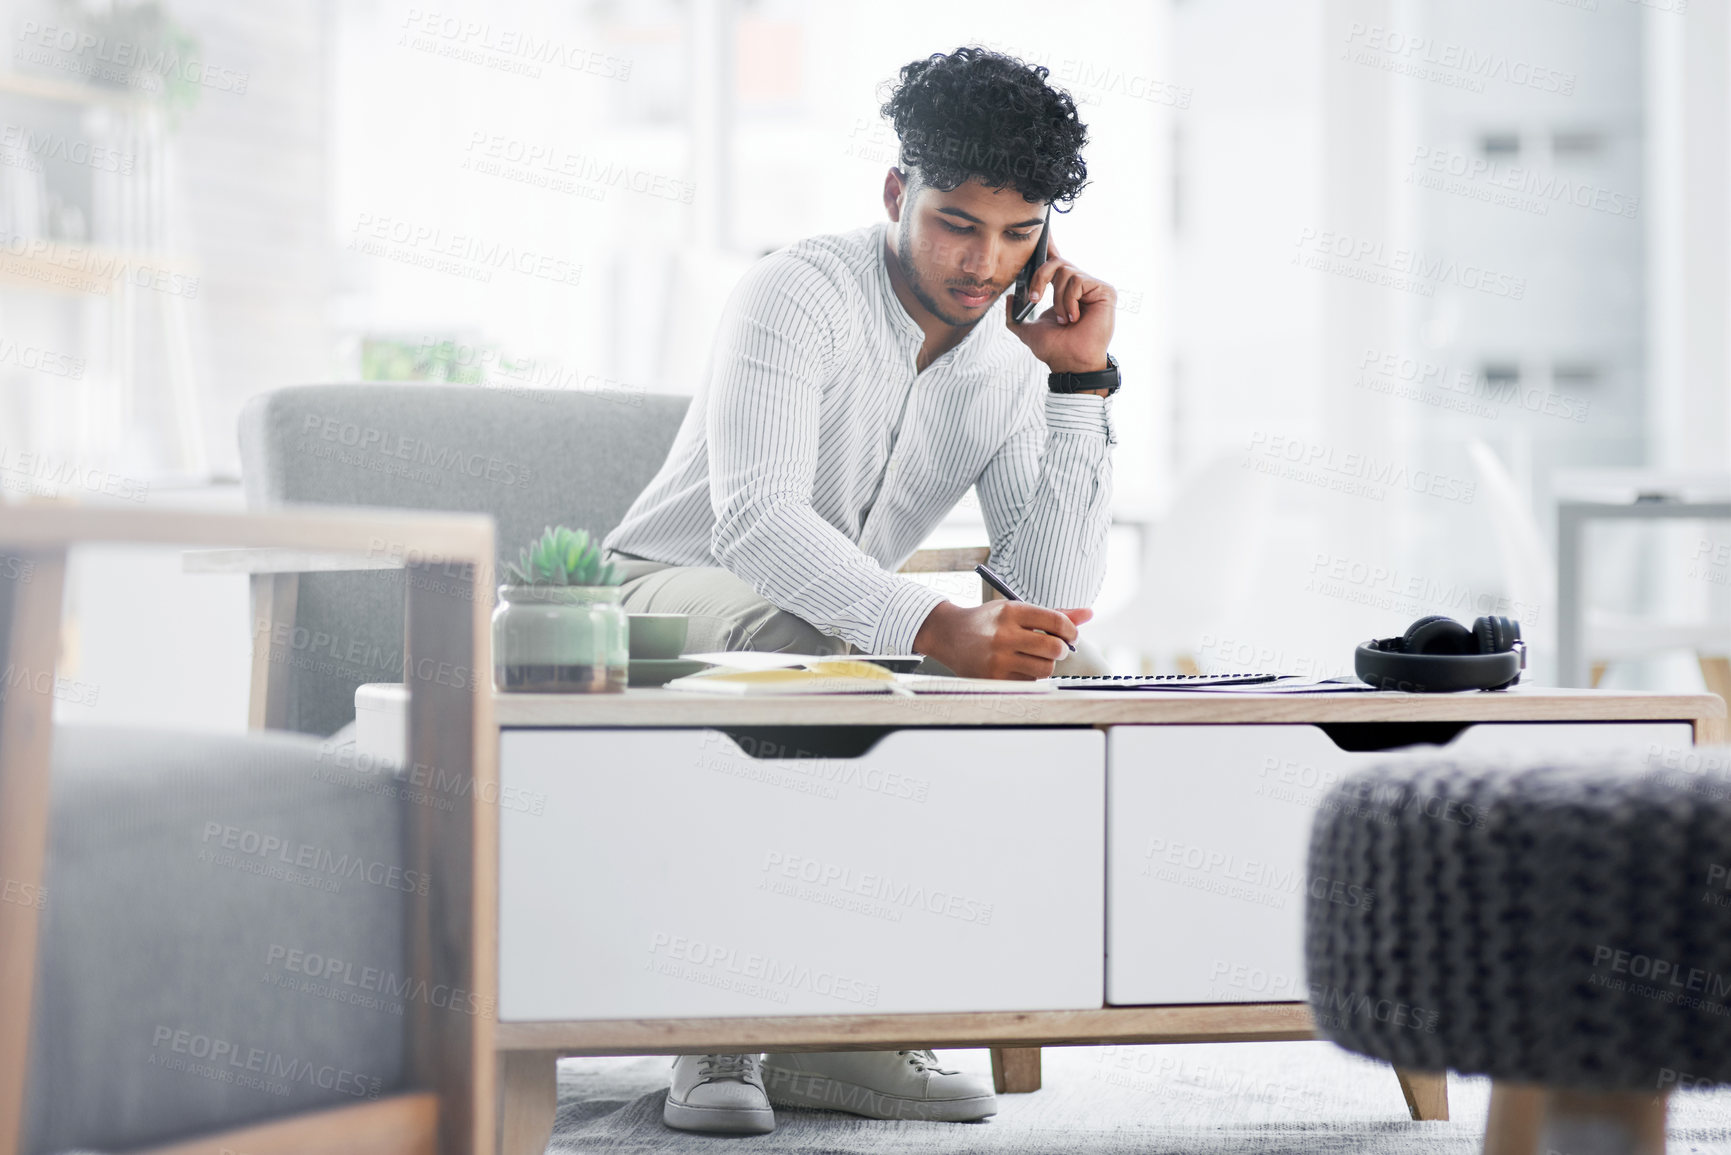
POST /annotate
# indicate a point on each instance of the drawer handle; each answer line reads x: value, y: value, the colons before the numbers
x: 1367, y: 737
x: 830, y: 742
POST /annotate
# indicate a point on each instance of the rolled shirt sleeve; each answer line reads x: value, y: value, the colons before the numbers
x: 775, y: 349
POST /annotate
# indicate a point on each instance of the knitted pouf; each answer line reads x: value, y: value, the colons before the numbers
x: 1564, y: 921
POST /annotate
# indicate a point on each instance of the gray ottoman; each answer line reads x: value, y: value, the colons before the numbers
x: 1563, y: 926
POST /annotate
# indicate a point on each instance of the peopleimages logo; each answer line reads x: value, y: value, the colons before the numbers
x: 553, y: 159
x: 1369, y: 260
x: 449, y: 458
x: 256, y: 844
x: 885, y: 889
x: 23, y: 466
x: 744, y: 757
x: 231, y: 1062
x: 504, y: 49
x: 23, y: 893
x: 1675, y: 982
x: 1254, y: 880
x: 749, y: 973
x: 461, y: 254
x: 1386, y: 587
x: 1540, y: 189
x: 1357, y: 474
x: 26, y: 144
x: 121, y: 62
x: 1447, y: 62
x: 41, y: 360
x: 1091, y: 79
x: 87, y: 270
x: 1703, y: 772
x: 46, y: 682
x: 537, y: 378
x: 1712, y: 562
x: 1420, y: 379
x: 1330, y: 1005
x: 342, y: 980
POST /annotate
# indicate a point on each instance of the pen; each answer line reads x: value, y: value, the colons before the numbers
x: 998, y: 584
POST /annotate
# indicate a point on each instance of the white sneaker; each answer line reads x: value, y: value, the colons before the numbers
x: 879, y: 1085
x: 719, y: 1093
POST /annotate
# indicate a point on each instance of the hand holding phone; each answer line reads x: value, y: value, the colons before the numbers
x: 1074, y: 334
x: 1022, y: 302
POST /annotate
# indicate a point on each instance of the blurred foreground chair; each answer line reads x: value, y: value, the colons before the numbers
x: 1614, y: 638
x: 1563, y: 926
x: 242, y: 943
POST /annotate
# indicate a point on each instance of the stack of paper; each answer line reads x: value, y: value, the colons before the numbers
x: 751, y: 673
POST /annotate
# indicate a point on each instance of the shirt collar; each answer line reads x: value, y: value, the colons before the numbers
x: 896, y: 311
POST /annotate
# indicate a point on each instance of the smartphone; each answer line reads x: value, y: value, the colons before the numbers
x: 1021, y: 304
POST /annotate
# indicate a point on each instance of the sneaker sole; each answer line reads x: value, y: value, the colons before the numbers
x: 826, y: 1094
x: 718, y: 1120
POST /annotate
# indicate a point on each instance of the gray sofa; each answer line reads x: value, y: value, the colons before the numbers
x: 243, y: 941
x: 170, y: 932
x: 528, y: 458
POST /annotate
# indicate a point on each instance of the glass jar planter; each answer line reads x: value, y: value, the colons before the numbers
x: 560, y: 640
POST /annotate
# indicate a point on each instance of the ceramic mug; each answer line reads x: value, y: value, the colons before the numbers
x: 659, y: 637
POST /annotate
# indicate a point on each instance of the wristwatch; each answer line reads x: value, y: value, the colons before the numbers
x: 1106, y: 379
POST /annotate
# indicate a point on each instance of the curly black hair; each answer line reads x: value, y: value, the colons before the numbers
x: 979, y: 113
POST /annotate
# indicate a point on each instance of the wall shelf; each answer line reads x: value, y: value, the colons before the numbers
x: 16, y: 83
x: 80, y: 268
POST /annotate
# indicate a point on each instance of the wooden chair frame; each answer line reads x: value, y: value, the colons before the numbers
x: 451, y: 1106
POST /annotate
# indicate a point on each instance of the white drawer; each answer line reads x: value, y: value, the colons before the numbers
x: 669, y: 873
x: 1208, y: 829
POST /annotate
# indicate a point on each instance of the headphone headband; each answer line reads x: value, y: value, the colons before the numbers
x: 1390, y: 664
x: 1434, y: 673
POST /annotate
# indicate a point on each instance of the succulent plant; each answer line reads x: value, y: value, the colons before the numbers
x: 562, y: 557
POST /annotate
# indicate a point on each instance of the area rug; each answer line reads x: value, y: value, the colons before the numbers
x: 1265, y: 1098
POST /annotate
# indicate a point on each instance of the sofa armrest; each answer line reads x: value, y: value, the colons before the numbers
x: 282, y: 561
x: 450, y: 725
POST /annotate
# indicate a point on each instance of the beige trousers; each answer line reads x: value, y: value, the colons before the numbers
x: 727, y: 614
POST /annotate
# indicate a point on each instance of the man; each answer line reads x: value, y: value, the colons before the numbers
x: 860, y: 384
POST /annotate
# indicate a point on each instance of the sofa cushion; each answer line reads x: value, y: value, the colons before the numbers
x: 222, y: 937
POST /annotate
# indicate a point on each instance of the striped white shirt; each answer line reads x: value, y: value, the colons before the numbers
x: 814, y: 460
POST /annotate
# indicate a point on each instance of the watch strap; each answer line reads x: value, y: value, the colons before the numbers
x: 1107, y: 379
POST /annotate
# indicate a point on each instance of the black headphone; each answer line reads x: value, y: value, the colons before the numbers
x: 1438, y: 655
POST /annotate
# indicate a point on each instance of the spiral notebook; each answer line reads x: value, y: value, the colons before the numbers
x: 1212, y: 683
x: 1159, y: 681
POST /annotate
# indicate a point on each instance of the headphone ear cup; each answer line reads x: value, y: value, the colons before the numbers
x: 1407, y: 643
x: 1437, y: 634
x: 1495, y: 635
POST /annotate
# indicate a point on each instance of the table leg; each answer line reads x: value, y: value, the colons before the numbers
x: 1427, y: 1093
x: 1571, y: 612
x: 1615, y: 1122
x: 528, y: 1100
x: 1512, y: 1125
x: 1015, y: 1070
x: 1716, y: 672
